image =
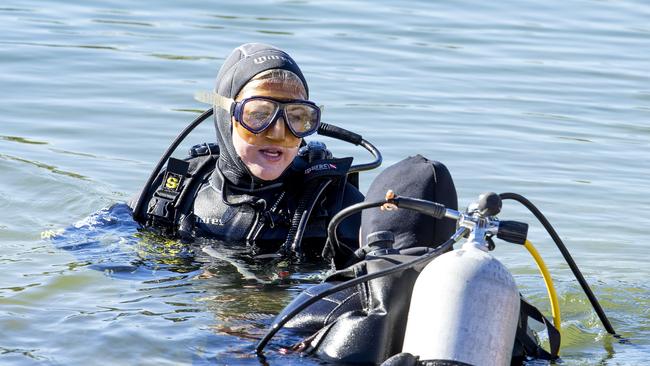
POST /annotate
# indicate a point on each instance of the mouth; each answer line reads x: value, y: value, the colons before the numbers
x: 271, y: 154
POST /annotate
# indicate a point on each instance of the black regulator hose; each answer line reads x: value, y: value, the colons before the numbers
x: 332, y: 237
x: 567, y: 257
x: 326, y: 129
x: 368, y: 166
x: 138, y: 215
x: 339, y: 133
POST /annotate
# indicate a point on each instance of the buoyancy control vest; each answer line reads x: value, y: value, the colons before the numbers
x: 193, y: 199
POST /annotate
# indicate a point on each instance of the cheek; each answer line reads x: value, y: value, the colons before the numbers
x: 243, y: 149
x: 255, y: 162
x: 290, y: 155
x: 266, y: 138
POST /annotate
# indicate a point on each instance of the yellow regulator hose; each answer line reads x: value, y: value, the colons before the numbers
x: 552, y: 295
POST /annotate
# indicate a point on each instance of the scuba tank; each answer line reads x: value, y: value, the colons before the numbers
x: 464, y: 308
x: 465, y: 303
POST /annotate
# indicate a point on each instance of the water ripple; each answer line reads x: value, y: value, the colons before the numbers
x: 181, y: 57
x: 18, y: 10
x: 22, y: 140
x: 510, y: 95
x: 41, y: 165
x: 123, y: 22
x: 28, y: 353
x: 55, y: 45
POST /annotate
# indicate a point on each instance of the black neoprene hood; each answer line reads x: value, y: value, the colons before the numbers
x: 249, y: 60
x: 243, y: 63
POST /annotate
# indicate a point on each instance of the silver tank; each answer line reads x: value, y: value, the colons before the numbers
x: 464, y: 307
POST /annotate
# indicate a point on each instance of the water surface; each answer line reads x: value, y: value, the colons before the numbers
x: 547, y: 99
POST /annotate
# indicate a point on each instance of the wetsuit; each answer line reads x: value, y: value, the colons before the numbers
x: 265, y: 216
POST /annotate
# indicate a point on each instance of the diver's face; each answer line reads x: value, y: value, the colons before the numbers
x: 267, y: 154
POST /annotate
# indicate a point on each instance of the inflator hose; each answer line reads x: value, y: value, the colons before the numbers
x: 567, y: 257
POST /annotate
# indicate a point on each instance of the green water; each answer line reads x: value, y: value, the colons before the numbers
x: 546, y: 99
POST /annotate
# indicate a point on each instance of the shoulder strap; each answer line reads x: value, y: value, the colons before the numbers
x: 160, y: 212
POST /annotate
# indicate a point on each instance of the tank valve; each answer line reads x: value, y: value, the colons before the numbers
x: 489, y: 204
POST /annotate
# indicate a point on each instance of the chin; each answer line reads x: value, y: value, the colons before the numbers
x: 267, y: 162
x: 267, y: 173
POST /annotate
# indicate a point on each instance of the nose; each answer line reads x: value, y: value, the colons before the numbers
x: 278, y: 130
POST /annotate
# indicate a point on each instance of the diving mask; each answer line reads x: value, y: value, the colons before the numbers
x: 256, y: 114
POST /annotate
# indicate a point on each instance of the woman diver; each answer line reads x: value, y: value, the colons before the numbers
x: 262, y: 184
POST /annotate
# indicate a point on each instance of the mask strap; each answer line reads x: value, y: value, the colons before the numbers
x: 210, y: 97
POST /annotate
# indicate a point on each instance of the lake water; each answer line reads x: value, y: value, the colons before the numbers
x: 549, y: 99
